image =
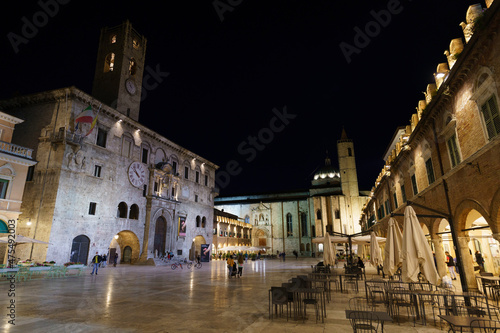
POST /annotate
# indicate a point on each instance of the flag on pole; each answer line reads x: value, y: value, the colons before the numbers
x: 94, y: 121
x: 86, y: 116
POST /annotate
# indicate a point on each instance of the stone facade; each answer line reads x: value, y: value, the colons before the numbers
x: 229, y: 230
x: 15, y: 163
x: 446, y: 161
x: 288, y: 221
x: 117, y: 187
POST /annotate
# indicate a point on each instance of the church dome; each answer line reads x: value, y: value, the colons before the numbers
x: 327, y: 174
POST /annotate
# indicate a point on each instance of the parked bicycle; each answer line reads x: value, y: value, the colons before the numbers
x: 176, y: 264
x: 196, y: 264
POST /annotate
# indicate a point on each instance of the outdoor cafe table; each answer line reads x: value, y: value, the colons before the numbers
x: 458, y: 321
x: 301, y: 293
x: 326, y: 284
x: 495, y: 279
x: 382, y: 316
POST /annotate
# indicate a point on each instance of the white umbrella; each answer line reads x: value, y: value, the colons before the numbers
x: 22, y: 239
x: 392, y: 259
x: 229, y: 248
x: 328, y: 255
x: 375, y: 252
x: 416, y: 252
x: 367, y: 239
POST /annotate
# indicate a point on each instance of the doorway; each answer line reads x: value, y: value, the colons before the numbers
x: 127, y: 255
x: 80, y: 249
x: 160, y: 236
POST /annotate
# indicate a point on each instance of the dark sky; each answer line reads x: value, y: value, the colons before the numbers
x: 227, y: 76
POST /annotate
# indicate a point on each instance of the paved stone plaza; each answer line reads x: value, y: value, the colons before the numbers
x: 159, y: 299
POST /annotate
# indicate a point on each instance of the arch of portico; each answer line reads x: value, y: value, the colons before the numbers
x: 127, y: 238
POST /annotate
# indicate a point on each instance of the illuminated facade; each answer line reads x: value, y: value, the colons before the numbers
x: 229, y: 230
x: 446, y: 161
x: 118, y: 187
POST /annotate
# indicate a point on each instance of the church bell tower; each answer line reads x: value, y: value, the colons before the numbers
x: 120, y: 68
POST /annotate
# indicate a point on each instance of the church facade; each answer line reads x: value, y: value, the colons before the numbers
x: 109, y: 184
x: 288, y: 221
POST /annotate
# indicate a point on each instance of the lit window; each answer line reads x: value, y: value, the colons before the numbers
x: 135, y: 43
x: 109, y: 63
x: 113, y: 39
x: 132, y: 67
x: 491, y: 117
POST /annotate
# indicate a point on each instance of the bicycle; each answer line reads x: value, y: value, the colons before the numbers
x: 196, y: 264
x: 176, y: 264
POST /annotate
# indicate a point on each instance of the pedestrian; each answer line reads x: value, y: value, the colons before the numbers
x: 283, y: 255
x: 230, y: 263
x: 115, y: 259
x: 451, y: 265
x: 198, y: 259
x: 361, y: 264
x: 280, y: 254
x: 479, y: 259
x: 246, y: 256
x: 95, y: 263
x: 104, y: 258
x: 296, y: 254
x: 240, y: 265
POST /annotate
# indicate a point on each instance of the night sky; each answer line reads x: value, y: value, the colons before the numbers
x: 230, y: 67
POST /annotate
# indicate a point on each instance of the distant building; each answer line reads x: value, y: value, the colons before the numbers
x: 110, y: 185
x: 446, y: 162
x: 229, y: 230
x: 288, y: 221
x: 16, y: 165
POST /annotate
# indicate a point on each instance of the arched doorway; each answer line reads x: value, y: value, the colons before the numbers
x: 196, y: 247
x: 127, y: 255
x: 261, y: 237
x: 80, y: 249
x: 160, y: 236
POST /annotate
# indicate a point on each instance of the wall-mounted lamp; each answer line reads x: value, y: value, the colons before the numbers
x: 29, y: 222
x: 116, y: 236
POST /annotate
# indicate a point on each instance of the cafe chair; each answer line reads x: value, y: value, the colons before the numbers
x: 364, y: 321
x: 376, y: 294
x: 484, y: 326
x: 401, y: 299
x: 315, y: 303
x: 361, y: 304
x: 279, y: 299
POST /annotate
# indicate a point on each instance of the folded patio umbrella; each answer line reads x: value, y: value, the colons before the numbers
x: 328, y: 254
x: 375, y: 252
x: 416, y: 252
x: 392, y: 260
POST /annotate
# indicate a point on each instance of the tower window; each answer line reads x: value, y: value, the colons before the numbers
x: 132, y: 67
x: 113, y: 39
x: 349, y: 151
x: 109, y: 63
x: 135, y: 44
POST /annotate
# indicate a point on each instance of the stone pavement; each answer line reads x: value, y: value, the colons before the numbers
x: 159, y: 299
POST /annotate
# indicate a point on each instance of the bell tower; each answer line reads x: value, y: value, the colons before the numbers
x: 347, y: 166
x: 119, y: 69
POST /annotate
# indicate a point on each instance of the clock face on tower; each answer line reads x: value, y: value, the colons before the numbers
x: 130, y: 86
x: 137, y: 174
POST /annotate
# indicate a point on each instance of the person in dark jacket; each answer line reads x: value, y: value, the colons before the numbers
x: 95, y: 263
x: 479, y: 259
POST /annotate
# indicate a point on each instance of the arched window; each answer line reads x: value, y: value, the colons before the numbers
x: 289, y: 226
x: 134, y: 212
x: 198, y: 221
x: 303, y: 223
x: 318, y: 214
x: 302, y: 247
x: 109, y: 62
x: 308, y: 247
x: 122, y: 210
x: 3, y: 228
x: 132, y: 67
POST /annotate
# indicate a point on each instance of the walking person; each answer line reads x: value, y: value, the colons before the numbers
x: 115, y: 259
x: 240, y: 265
x: 451, y: 265
x: 480, y: 260
x: 95, y: 263
x: 230, y: 264
x: 104, y: 259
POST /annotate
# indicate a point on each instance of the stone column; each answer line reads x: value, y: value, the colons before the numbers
x: 467, y: 269
x: 440, y: 256
x: 144, y: 255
